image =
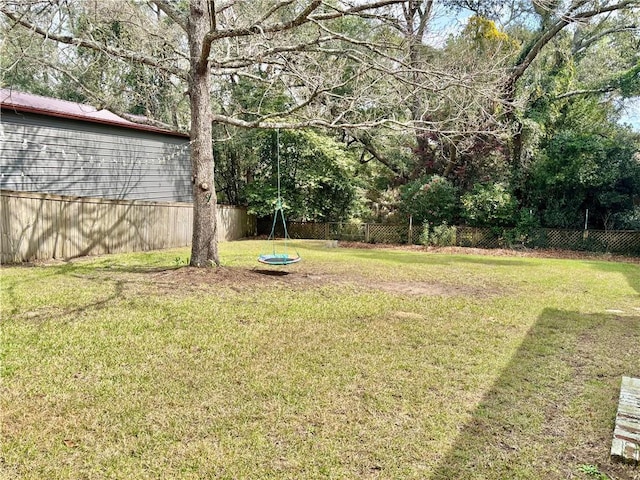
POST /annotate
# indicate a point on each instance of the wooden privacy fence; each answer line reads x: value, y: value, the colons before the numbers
x: 613, y: 241
x: 37, y: 226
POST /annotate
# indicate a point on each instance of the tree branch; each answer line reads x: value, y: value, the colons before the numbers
x: 364, y: 139
x: 273, y: 10
x: 256, y: 28
x: 172, y: 13
x: 559, y: 24
x: 583, y: 44
x: 103, y: 103
x: 93, y: 45
x: 355, y: 10
x: 592, y: 91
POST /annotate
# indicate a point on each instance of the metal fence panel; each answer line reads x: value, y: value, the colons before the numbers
x: 613, y: 241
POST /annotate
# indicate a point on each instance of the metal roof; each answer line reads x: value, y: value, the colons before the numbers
x: 27, y: 102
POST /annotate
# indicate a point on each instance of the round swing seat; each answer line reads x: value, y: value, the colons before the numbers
x: 278, y: 259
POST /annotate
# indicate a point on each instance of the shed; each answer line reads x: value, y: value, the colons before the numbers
x: 60, y: 147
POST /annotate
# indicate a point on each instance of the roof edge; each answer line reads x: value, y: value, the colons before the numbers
x: 6, y: 103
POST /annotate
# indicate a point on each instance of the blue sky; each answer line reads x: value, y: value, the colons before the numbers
x: 632, y: 113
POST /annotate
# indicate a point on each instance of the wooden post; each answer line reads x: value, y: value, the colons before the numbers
x: 625, y: 446
x: 585, y: 234
x: 410, y: 229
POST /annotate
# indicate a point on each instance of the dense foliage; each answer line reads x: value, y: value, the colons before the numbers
x: 510, y: 120
x: 430, y: 200
x: 316, y: 176
x: 578, y: 172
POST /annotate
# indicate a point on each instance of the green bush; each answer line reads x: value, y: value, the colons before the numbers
x: 438, y: 236
x: 424, y: 234
x: 490, y: 205
x: 629, y: 220
x: 526, y: 233
x: 430, y: 199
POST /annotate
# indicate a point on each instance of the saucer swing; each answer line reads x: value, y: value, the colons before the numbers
x: 279, y: 257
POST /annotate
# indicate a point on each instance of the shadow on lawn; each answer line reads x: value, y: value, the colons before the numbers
x: 55, y: 314
x: 629, y: 270
x: 90, y: 271
x: 411, y: 257
x: 553, y: 407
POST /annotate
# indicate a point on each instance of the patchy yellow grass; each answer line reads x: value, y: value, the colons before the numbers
x: 354, y: 364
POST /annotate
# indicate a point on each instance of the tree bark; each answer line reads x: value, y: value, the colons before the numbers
x: 204, y: 247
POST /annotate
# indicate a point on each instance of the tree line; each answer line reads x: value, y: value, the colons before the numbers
x: 489, y: 113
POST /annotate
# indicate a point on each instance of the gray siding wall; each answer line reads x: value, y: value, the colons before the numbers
x: 46, y: 154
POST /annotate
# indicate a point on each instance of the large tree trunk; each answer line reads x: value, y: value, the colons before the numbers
x: 417, y: 14
x: 204, y: 247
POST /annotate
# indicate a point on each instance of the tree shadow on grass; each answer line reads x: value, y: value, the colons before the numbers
x: 104, y: 274
x: 411, y: 257
x: 92, y: 269
x: 630, y: 271
x: 553, y: 407
x: 53, y: 313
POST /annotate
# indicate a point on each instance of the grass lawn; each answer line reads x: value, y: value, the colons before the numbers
x: 354, y: 363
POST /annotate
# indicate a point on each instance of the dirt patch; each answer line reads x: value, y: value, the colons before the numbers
x: 236, y: 278
x: 190, y: 279
x: 431, y: 289
x: 210, y: 276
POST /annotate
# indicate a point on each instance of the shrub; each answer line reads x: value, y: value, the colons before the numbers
x: 490, y: 205
x: 438, y: 236
x: 629, y: 220
x: 424, y: 234
x: 431, y: 199
x: 526, y: 233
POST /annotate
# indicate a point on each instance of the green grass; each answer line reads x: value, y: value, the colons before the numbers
x: 357, y: 364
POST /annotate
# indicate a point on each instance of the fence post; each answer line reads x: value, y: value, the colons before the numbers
x: 585, y: 235
x: 410, y: 229
x: 367, y: 236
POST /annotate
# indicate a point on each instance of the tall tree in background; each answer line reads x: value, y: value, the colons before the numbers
x: 588, y: 20
x: 467, y: 109
x: 298, y: 46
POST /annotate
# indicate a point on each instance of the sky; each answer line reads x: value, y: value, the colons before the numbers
x: 632, y: 113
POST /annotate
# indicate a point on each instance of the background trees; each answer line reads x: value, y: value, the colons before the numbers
x: 567, y: 65
x: 514, y: 103
x: 318, y: 177
x: 329, y: 72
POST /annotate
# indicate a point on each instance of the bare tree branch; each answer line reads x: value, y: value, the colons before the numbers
x: 172, y: 13
x: 257, y: 29
x: 273, y: 10
x: 93, y: 45
x: 585, y: 43
x: 592, y: 91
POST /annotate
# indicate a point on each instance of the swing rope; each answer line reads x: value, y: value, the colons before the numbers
x: 279, y: 258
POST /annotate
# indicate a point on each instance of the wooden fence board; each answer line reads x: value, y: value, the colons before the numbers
x: 37, y: 226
